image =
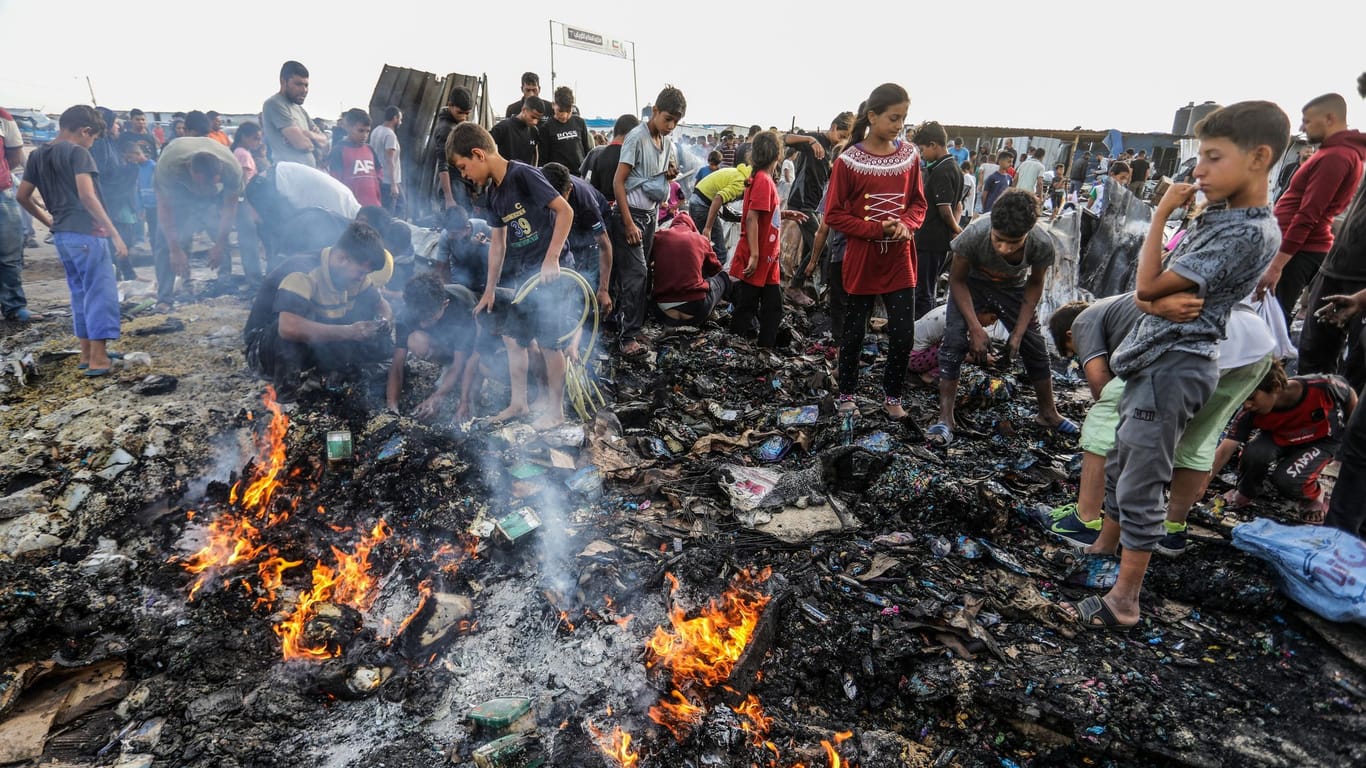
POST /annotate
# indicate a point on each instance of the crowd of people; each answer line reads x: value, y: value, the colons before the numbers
x: 544, y: 224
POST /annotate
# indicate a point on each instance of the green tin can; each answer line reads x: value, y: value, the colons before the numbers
x: 339, y: 445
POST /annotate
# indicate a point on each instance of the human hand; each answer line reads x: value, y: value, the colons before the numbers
x: 550, y: 270
x: 180, y: 263
x: 485, y: 302
x: 1339, y: 309
x: 427, y: 408
x: 671, y: 172
x: 1012, y: 351
x: 450, y: 202
x: 1179, y: 307
x: 604, y: 301
x: 1267, y: 284
x: 215, y: 256
x: 1177, y: 196
x: 798, y: 216
x: 120, y: 249
x: 632, y: 232
x: 817, y: 150
x: 978, y: 345
x: 367, y: 329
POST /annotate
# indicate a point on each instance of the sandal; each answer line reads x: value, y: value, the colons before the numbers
x: 939, y: 434
x: 1086, y: 612
x: 1065, y: 427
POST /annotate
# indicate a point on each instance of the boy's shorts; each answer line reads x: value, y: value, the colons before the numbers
x: 1201, y: 437
x: 547, y: 315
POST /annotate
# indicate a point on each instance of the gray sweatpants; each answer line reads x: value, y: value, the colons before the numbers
x: 1158, y: 403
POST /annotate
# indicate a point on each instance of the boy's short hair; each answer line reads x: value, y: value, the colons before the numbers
x: 293, y: 69
x: 466, y: 138
x: 1060, y: 322
x: 754, y: 130
x: 625, y: 124
x: 1014, y: 213
x: 211, y: 114
x: 457, y: 218
x: 206, y: 165
x: 558, y: 176
x: 714, y: 156
x: 966, y: 166
x: 564, y: 98
x: 1118, y: 167
x: 1248, y: 124
x: 197, y: 122
x: 423, y: 296
x: 1332, y: 103
x: 363, y: 245
x: 81, y: 116
x: 375, y: 216
x: 129, y: 142
x: 533, y: 104
x: 460, y: 98
x: 930, y: 132
x: 135, y: 112
x: 391, y: 112
x: 1004, y: 155
x: 531, y: 78
x: 671, y: 100
x: 1275, y: 378
x: 356, y: 117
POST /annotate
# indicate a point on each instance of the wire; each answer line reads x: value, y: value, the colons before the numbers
x: 583, y: 391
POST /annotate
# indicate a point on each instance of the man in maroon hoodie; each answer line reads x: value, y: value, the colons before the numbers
x: 688, y: 279
x: 1318, y: 191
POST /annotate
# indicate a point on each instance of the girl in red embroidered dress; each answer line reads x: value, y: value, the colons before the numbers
x: 875, y: 199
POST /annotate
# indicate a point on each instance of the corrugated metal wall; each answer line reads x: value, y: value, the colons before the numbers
x: 422, y: 96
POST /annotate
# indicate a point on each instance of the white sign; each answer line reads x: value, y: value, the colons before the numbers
x: 574, y: 37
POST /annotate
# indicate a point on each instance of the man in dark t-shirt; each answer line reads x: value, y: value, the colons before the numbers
x: 600, y: 168
x: 1138, y: 172
x: 518, y: 137
x: 943, y: 191
x: 531, y: 89
x: 564, y: 135
x: 814, y: 154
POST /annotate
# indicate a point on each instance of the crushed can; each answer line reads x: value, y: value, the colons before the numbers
x: 339, y: 448
x: 516, y: 751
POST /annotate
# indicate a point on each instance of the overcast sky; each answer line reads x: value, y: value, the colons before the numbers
x: 1048, y: 65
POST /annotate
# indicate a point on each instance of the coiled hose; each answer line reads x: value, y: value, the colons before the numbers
x: 582, y: 390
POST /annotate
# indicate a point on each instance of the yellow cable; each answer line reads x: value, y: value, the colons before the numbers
x: 583, y: 392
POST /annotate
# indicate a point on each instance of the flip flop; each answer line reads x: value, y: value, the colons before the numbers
x: 111, y: 355
x: 939, y: 434
x: 1066, y: 427
x: 93, y: 372
x: 1094, y: 607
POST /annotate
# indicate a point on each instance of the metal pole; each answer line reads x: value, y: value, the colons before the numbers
x: 552, y: 56
x: 635, y: 81
x: 91, y: 86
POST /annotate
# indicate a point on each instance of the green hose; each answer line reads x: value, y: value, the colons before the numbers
x: 583, y: 392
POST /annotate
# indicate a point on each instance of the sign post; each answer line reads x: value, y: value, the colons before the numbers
x: 594, y: 42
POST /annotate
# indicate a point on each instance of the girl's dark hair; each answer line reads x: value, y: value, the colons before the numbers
x: 882, y: 98
x: 763, y: 153
x: 247, y: 130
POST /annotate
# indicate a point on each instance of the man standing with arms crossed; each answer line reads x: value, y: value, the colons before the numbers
x: 290, y: 133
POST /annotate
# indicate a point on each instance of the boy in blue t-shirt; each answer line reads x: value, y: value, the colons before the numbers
x: 1170, y: 369
x: 531, y: 223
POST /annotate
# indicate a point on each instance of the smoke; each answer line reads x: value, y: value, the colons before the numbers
x: 230, y: 451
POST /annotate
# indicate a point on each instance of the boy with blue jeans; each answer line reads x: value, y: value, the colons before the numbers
x: 65, y: 172
x: 648, y: 163
x: 1170, y: 369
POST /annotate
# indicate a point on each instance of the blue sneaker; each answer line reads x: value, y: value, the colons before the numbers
x: 21, y: 315
x: 1073, y: 529
x: 1173, y: 544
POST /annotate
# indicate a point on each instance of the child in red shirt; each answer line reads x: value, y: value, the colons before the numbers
x: 756, y: 265
x: 875, y: 199
x: 353, y: 162
x: 1301, y: 422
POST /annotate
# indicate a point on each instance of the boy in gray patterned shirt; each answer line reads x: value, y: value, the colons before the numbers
x: 1170, y: 369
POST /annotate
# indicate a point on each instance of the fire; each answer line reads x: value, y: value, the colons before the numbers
x: 350, y: 583
x: 236, y: 537
x: 616, y: 746
x: 678, y: 715
x: 831, y: 755
x: 754, y: 721
x: 425, y: 590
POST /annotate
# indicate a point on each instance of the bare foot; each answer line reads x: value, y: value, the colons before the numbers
x: 548, y: 421
x: 895, y: 411
x: 1098, y: 549
x: 929, y: 378
x: 510, y: 412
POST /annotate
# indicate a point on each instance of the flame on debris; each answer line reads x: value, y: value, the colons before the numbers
x: 350, y: 583
x: 831, y: 755
x: 425, y: 590
x: 754, y: 721
x: 236, y: 537
x: 700, y: 652
x: 616, y: 746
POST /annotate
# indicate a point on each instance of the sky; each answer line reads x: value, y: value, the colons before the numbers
x: 1052, y: 66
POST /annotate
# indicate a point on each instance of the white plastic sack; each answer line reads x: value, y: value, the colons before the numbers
x: 1323, y: 569
x: 1269, y: 309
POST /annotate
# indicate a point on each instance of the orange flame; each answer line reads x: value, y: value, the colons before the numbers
x: 754, y: 721
x: 236, y: 538
x: 678, y: 715
x: 350, y: 583
x: 616, y: 746
x: 424, y: 589
x: 831, y: 755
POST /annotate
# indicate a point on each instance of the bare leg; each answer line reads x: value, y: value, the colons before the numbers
x: 1188, y: 485
x: 1091, y: 493
x: 98, y: 355
x: 1048, y: 408
x: 517, y: 365
x: 85, y: 352
x: 554, y: 393
x: 1108, y: 541
x: 948, y: 392
x: 1123, y: 597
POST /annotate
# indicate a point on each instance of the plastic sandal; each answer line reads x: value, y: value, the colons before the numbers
x: 939, y: 434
